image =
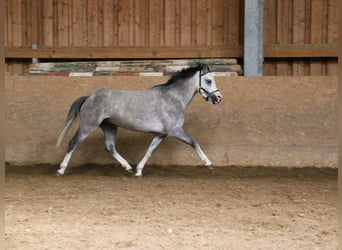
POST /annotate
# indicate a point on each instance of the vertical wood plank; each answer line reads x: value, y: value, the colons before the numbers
x: 27, y: 22
x: 123, y: 23
x: 316, y: 21
x: 316, y: 33
x: 63, y: 23
x: 242, y: 22
x: 131, y: 23
x: 161, y: 22
x: 116, y: 23
x: 324, y: 38
x: 231, y: 22
x: 270, y: 20
x: 77, y: 23
x: 16, y: 9
x: 201, y: 25
x: 177, y: 23
x: 170, y: 22
x: 227, y: 20
x: 185, y: 23
x: 55, y: 23
x: 26, y: 32
x: 140, y: 23
x: 217, y: 22
x: 332, y: 21
x: 6, y: 23
x: 332, y: 28
x: 47, y: 33
x: 283, y: 27
x: 100, y: 25
x: 307, y: 32
x: 209, y: 22
x: 108, y: 23
x: 35, y: 16
x: 155, y: 8
x: 92, y: 23
x: 298, y: 33
x: 193, y: 22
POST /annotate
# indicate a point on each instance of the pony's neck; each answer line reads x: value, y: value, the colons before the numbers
x: 185, y: 90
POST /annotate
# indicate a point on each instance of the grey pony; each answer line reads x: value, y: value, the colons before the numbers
x: 159, y: 110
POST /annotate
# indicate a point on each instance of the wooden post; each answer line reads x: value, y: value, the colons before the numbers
x: 253, y: 33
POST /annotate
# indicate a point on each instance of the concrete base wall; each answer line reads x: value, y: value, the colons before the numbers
x: 268, y: 121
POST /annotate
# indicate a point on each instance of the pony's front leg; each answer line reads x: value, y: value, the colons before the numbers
x: 182, y: 136
x: 154, y: 144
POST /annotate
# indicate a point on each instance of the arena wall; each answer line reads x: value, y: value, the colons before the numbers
x: 262, y: 121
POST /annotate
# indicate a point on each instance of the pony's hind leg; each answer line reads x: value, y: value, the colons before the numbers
x: 109, y: 131
x: 79, y: 137
x: 67, y: 157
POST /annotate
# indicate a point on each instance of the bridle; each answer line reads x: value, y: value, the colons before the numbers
x: 209, y: 94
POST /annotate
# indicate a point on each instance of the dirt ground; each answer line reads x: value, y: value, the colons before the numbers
x: 102, y: 207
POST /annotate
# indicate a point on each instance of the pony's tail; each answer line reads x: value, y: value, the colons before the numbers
x: 73, y: 113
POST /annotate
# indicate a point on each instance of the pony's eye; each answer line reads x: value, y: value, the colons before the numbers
x: 208, y: 81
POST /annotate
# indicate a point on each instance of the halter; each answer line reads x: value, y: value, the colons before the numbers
x: 209, y: 94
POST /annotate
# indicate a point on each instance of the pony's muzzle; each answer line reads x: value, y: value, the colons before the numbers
x: 216, y: 97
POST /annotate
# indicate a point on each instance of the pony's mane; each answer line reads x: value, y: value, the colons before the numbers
x: 184, y: 74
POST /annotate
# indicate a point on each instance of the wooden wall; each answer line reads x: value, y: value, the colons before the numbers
x: 115, y: 29
x: 301, y: 22
x: 262, y: 121
x: 105, y: 23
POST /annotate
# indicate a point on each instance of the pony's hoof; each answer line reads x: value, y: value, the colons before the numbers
x: 129, y: 170
x: 211, y: 167
x: 138, y: 174
x: 58, y: 174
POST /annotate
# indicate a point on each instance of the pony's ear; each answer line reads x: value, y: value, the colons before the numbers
x: 205, y: 69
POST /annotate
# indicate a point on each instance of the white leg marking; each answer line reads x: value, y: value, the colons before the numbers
x: 203, y: 156
x: 154, y: 144
x: 141, y: 165
x: 65, y: 163
x: 110, y: 131
x: 181, y: 135
x: 122, y: 161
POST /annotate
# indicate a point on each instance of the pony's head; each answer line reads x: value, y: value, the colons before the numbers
x: 207, y: 85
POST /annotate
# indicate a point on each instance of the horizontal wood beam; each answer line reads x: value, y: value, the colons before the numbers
x: 124, y: 52
x: 270, y: 51
x: 302, y: 50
